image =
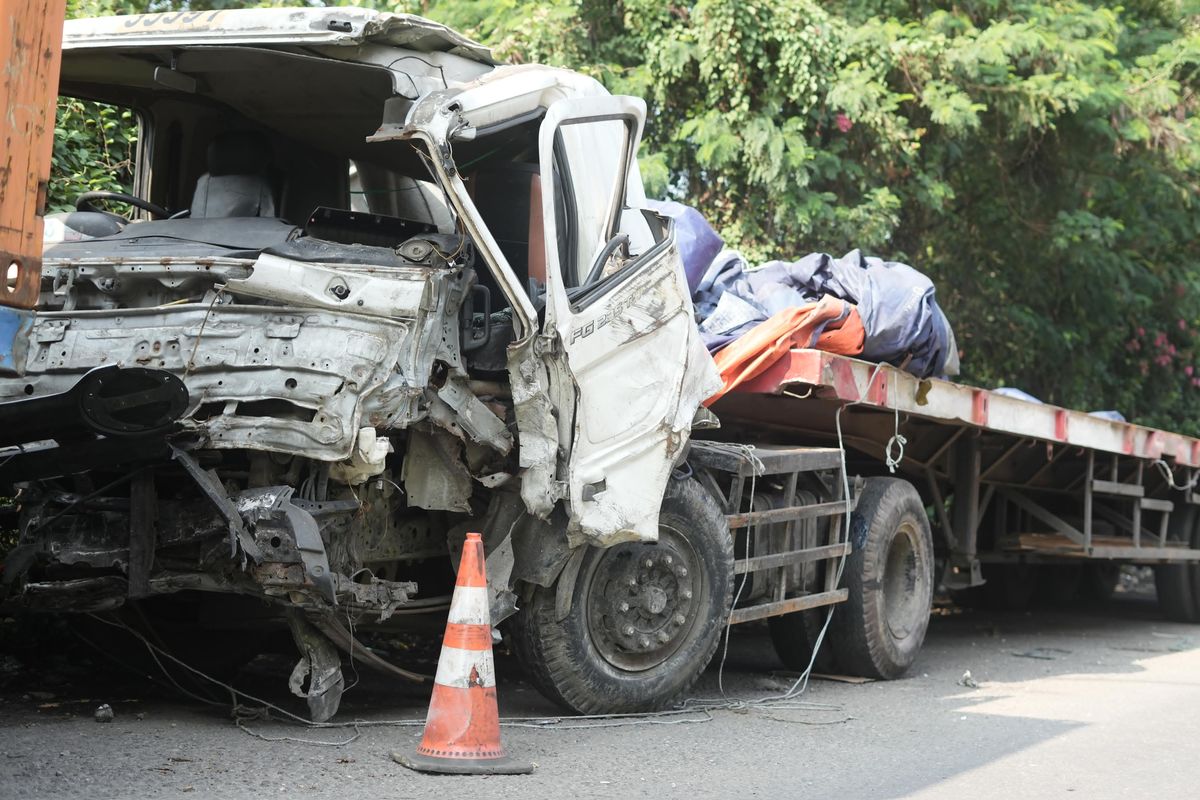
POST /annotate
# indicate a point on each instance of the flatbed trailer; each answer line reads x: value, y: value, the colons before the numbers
x: 1009, y: 483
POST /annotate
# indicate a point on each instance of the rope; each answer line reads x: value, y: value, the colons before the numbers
x: 1169, y: 477
x: 898, y: 441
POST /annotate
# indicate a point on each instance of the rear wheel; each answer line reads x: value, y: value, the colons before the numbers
x: 879, y: 630
x: 1058, y: 585
x: 640, y: 621
x: 795, y: 638
x: 1100, y: 579
x: 1009, y: 587
x: 1178, y: 585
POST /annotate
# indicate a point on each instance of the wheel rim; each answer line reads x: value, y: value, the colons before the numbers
x: 643, y: 600
x: 904, y: 583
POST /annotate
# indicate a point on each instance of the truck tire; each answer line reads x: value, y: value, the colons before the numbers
x: 795, y: 636
x: 644, y: 618
x: 879, y: 630
x: 1100, y: 579
x: 1058, y: 585
x: 1178, y: 585
x: 1009, y: 587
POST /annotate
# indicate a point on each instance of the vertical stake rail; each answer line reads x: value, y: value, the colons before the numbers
x: 1137, y: 510
x: 789, y: 536
x: 1087, y: 502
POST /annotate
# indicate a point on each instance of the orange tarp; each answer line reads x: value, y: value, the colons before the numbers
x: 829, y: 324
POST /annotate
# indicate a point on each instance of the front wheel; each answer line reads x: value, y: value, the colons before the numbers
x: 641, y: 620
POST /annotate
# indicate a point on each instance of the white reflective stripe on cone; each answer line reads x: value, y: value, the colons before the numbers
x: 455, y: 667
x: 470, y: 606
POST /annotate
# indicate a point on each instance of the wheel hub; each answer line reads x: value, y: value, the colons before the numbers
x: 903, y: 585
x: 642, y: 601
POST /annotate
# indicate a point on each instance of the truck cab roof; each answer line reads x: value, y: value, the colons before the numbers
x: 304, y: 27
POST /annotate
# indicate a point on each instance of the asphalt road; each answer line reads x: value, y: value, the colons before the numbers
x: 1084, y: 704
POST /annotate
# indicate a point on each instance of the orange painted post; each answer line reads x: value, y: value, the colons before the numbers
x: 31, y: 54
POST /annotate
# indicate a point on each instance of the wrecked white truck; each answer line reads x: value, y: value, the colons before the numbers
x: 370, y: 291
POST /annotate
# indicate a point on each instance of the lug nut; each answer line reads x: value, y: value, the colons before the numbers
x: 679, y: 619
x: 649, y: 563
x: 623, y: 607
x: 686, y: 594
x: 681, y: 572
x: 643, y: 642
x: 663, y: 637
x: 633, y: 583
x: 627, y: 630
x: 668, y: 560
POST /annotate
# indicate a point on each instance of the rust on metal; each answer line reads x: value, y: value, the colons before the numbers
x: 31, y: 31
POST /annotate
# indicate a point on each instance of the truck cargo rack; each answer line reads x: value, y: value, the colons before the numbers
x: 791, y: 547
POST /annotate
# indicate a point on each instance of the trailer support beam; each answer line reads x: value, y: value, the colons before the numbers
x: 962, y: 568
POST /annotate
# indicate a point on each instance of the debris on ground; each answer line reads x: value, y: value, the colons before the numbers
x: 104, y: 713
x: 968, y: 681
x: 1042, y: 653
x: 842, y: 678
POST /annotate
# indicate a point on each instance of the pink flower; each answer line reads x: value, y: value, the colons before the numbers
x: 843, y: 122
x: 1188, y: 371
x: 1182, y: 325
x: 1141, y: 331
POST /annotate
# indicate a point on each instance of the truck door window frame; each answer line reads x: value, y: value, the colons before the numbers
x: 580, y: 296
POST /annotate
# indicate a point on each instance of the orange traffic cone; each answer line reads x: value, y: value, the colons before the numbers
x: 462, y: 729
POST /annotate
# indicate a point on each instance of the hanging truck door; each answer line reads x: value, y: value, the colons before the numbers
x: 618, y: 302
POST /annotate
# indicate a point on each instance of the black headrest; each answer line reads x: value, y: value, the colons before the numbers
x: 239, y: 153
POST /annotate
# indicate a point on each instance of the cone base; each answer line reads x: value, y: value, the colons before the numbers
x: 463, y: 766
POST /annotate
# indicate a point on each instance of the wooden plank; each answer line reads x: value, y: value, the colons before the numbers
x: 750, y: 613
x: 776, y: 459
x: 1154, y: 504
x: 1123, y: 489
x: 31, y: 31
x: 790, y: 557
x: 788, y: 514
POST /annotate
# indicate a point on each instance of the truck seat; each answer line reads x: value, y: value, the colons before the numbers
x: 237, y: 182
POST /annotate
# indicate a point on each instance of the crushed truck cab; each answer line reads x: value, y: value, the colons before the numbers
x: 368, y: 291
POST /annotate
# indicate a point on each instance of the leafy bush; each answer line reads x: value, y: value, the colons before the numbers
x: 1039, y: 160
x: 94, y: 146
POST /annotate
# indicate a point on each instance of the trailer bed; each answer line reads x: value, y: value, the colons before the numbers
x: 1009, y: 479
x: 883, y: 386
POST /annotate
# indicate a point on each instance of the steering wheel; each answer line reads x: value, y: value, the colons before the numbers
x: 84, y: 202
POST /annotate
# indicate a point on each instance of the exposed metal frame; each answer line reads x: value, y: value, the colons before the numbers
x: 790, y: 463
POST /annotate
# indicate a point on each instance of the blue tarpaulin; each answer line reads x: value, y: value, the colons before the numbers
x: 904, y: 324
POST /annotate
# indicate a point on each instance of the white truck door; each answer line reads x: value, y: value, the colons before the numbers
x: 618, y: 301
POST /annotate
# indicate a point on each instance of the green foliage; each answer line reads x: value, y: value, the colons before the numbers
x: 1039, y: 159
x: 94, y: 146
